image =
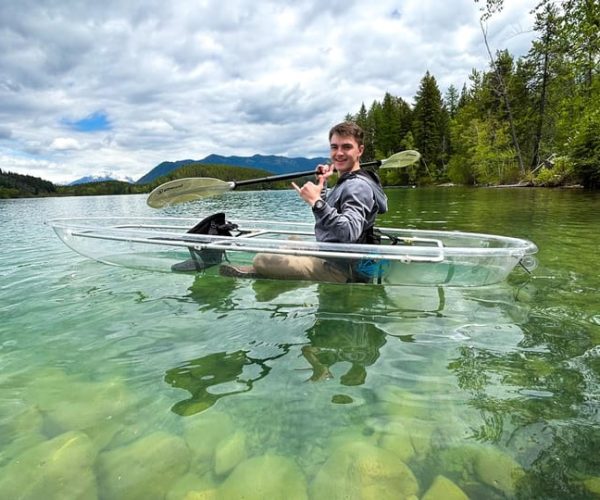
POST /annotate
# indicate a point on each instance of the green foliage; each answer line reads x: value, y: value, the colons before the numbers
x: 561, y: 171
x: 96, y: 188
x: 23, y: 186
x: 223, y: 172
x: 459, y: 172
x: 492, y: 155
x: 490, y: 8
x: 430, y: 125
x: 17, y: 186
x: 387, y: 126
x: 584, y: 149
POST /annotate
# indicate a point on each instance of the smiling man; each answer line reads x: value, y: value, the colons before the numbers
x: 345, y: 214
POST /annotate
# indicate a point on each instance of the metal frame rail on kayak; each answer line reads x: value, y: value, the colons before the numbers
x: 231, y: 243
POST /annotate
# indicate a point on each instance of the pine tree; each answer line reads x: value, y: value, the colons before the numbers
x: 451, y: 100
x: 429, y: 124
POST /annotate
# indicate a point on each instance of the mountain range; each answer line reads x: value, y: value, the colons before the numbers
x: 273, y: 164
x: 101, y: 178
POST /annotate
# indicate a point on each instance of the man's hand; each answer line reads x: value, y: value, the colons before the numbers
x: 311, y: 192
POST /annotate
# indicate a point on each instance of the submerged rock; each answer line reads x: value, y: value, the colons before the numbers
x: 202, y: 433
x: 230, y: 452
x: 444, y: 489
x: 268, y: 476
x: 592, y: 485
x: 20, y: 418
x: 68, y: 403
x: 55, y: 469
x: 191, y: 486
x: 495, y: 468
x: 201, y: 495
x: 19, y: 445
x: 396, y: 438
x: 354, y: 434
x: 399, y: 403
x: 21, y: 428
x: 363, y: 471
x: 146, y: 469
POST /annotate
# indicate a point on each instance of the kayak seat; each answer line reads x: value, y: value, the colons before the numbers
x: 214, y: 224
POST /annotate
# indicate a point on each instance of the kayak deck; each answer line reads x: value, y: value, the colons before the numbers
x: 405, y: 257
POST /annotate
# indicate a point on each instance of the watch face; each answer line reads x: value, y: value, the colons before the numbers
x: 319, y: 204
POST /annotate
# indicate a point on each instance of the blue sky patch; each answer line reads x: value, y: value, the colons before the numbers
x: 92, y: 123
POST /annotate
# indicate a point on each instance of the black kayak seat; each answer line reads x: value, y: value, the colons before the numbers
x: 215, y: 224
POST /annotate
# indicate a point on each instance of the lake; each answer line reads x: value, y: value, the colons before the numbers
x: 117, y: 383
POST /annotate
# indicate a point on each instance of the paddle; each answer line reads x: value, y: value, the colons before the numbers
x: 194, y: 188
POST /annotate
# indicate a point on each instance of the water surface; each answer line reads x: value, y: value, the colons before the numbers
x: 118, y: 383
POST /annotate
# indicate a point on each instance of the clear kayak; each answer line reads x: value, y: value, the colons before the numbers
x: 404, y: 257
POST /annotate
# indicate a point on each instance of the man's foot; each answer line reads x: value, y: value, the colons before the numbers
x: 187, y: 266
x: 238, y: 271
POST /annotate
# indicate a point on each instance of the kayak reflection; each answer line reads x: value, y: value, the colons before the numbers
x: 339, y: 336
x: 221, y: 369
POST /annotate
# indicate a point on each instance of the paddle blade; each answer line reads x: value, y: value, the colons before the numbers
x: 188, y: 189
x: 402, y: 159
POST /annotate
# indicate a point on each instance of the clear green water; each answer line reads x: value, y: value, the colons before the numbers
x: 117, y: 383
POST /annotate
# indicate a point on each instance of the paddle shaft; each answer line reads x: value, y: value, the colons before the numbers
x: 294, y: 175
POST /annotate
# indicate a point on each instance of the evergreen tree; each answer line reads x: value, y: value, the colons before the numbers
x: 430, y: 125
x: 363, y: 121
x: 451, y: 100
x: 543, y: 64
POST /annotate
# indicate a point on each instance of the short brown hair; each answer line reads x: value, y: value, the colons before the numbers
x: 348, y: 129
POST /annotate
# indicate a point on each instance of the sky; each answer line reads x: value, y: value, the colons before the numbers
x: 92, y: 87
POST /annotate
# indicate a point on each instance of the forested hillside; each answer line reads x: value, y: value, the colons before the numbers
x: 533, y: 120
x: 24, y: 186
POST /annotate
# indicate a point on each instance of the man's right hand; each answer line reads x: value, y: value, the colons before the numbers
x: 311, y: 192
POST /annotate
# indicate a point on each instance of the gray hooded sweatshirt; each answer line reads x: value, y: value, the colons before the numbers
x: 351, y: 208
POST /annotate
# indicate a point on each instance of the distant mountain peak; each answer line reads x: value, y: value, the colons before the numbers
x: 109, y: 176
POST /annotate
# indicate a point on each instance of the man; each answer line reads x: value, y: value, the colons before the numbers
x: 346, y: 215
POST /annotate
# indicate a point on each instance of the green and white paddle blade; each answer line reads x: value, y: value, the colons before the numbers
x: 401, y: 159
x: 187, y: 189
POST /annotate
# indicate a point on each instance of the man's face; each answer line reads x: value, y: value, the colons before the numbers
x: 345, y: 153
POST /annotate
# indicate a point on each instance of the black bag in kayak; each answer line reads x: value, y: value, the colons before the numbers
x: 201, y: 259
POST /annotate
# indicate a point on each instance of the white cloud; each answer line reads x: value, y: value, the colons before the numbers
x: 188, y: 78
x: 64, y: 144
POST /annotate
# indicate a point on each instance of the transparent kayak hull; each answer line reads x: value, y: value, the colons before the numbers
x: 405, y: 257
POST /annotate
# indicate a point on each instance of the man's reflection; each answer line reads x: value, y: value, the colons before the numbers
x: 335, y: 341
x: 345, y: 331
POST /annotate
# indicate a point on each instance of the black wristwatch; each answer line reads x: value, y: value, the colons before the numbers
x: 318, y: 206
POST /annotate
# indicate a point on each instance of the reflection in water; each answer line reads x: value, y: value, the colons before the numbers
x: 335, y: 341
x: 221, y: 372
x: 213, y: 293
x: 349, y: 339
x: 420, y: 370
x: 344, y: 331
